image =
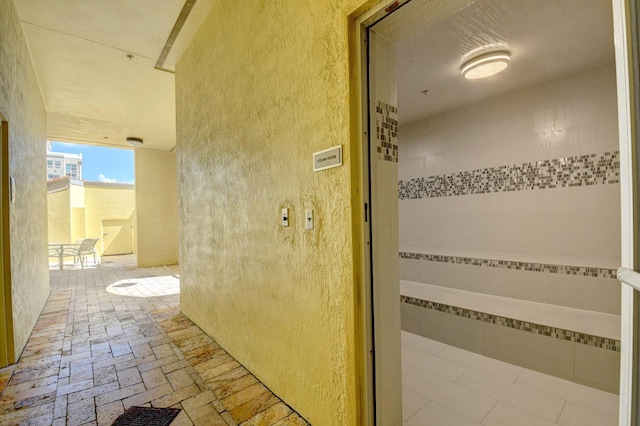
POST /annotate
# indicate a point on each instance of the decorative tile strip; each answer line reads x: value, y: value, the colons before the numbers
x: 387, y: 132
x: 584, y: 271
x: 529, y: 327
x: 583, y: 170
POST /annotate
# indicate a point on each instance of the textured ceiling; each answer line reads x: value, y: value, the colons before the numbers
x: 93, y: 92
x: 95, y: 60
x: 546, y: 38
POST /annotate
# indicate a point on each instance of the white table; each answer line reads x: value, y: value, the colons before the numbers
x: 59, y: 250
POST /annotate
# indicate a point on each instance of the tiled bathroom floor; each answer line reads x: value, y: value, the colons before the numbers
x: 444, y: 385
x: 112, y: 337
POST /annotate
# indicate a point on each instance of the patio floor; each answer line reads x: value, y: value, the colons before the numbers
x: 112, y: 337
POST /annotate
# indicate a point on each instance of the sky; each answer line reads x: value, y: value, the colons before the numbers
x: 101, y: 164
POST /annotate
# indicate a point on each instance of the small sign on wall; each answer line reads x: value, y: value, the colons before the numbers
x: 327, y: 159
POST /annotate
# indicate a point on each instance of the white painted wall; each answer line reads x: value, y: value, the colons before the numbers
x: 580, y: 226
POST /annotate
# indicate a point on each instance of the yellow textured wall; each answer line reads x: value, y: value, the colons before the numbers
x: 78, y: 215
x: 76, y: 193
x: 157, y: 208
x: 59, y: 216
x: 78, y: 224
x: 262, y: 86
x: 22, y: 105
x: 106, y: 202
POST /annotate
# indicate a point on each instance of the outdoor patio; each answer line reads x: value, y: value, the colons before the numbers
x: 111, y: 337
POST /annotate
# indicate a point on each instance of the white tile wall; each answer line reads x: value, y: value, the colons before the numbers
x: 517, y: 127
x: 578, y: 226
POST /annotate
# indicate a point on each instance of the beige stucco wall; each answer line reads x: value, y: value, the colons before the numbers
x: 78, y: 215
x: 106, y: 202
x: 260, y: 88
x: 78, y: 224
x: 78, y: 211
x: 76, y: 194
x: 157, y: 208
x: 21, y: 103
x: 59, y: 216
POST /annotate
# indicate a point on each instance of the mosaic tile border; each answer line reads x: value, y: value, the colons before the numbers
x: 387, y: 132
x: 529, y: 327
x: 583, y: 170
x: 584, y: 271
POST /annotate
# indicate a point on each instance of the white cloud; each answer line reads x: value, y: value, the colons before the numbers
x: 103, y: 178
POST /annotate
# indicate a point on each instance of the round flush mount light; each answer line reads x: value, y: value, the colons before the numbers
x: 485, y: 65
x: 134, y: 142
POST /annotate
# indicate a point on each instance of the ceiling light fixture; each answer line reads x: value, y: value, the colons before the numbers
x: 134, y: 142
x: 485, y: 65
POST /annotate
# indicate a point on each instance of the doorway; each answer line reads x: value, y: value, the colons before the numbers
x: 7, y: 355
x: 384, y: 263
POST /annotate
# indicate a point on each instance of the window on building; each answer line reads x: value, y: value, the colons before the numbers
x: 49, y: 163
x: 58, y: 163
x: 51, y: 176
x: 71, y: 170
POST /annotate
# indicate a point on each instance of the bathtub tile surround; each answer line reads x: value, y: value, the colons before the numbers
x: 582, y: 170
x: 584, y: 271
x: 387, y: 132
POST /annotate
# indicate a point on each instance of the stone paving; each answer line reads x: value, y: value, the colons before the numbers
x: 112, y: 337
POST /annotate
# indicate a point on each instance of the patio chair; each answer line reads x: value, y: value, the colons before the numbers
x: 86, y: 247
x: 54, y: 251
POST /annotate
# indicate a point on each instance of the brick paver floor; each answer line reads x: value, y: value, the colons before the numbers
x: 112, y: 337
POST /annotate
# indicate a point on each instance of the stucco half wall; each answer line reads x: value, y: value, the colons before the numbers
x: 262, y: 86
x: 22, y: 105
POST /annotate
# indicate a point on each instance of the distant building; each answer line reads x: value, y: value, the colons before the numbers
x: 63, y: 164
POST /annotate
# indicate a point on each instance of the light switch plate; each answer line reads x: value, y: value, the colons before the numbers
x: 285, y: 217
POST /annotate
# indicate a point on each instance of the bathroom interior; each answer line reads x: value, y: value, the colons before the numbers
x: 508, y: 194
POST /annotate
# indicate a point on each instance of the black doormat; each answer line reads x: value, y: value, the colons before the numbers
x: 147, y: 416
